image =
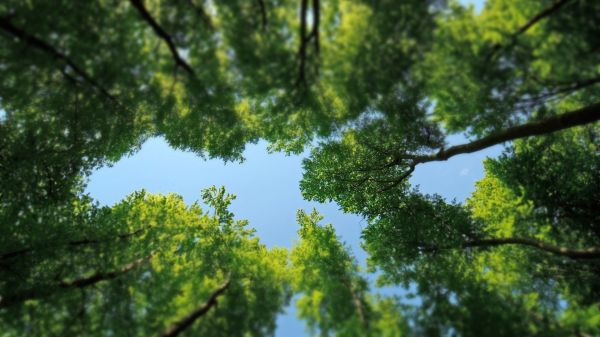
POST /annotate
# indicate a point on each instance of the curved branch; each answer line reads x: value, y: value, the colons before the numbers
x: 182, y: 324
x: 41, y: 45
x: 139, y: 6
x: 586, y: 115
x: 81, y: 242
x: 531, y: 22
x: 77, y: 283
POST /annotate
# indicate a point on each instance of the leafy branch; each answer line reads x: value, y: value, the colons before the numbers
x: 179, y: 61
x: 182, y: 324
x: 44, y: 46
x: 77, y: 283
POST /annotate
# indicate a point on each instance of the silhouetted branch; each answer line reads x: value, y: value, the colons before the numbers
x: 565, y: 89
x: 139, y: 5
x: 180, y: 326
x: 77, y: 283
x: 586, y: 115
x: 41, y: 45
x: 302, y: 51
x: 535, y: 19
x: 23, y: 251
x: 305, y: 39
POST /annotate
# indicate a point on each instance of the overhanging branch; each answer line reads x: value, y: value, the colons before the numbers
x: 182, y: 324
x: 306, y: 39
x: 77, y: 283
x: 586, y: 115
x: 530, y: 23
x: 41, y: 45
x: 179, y: 61
x: 23, y: 251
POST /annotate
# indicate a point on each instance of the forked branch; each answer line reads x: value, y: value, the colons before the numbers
x: 179, y: 61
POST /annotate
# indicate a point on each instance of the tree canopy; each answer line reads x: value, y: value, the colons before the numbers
x: 372, y: 89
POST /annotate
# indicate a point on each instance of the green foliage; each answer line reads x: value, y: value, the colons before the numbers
x: 192, y: 253
x: 334, y: 295
x: 374, y: 86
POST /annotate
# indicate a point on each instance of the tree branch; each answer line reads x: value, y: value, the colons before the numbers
x: 535, y: 19
x: 586, y: 115
x: 182, y: 324
x: 305, y: 39
x: 41, y: 45
x: 77, y: 283
x: 564, y: 89
x: 23, y: 251
x: 303, y: 42
x: 179, y: 61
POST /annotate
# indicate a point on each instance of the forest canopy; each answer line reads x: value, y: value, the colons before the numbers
x: 372, y: 89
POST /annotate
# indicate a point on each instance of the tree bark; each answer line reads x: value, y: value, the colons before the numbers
x: 586, y: 115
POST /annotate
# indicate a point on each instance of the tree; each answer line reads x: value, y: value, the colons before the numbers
x: 171, y: 269
x: 379, y: 84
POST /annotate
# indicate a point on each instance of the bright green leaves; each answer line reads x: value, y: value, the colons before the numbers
x: 487, y: 71
x: 186, y: 253
x: 333, y: 294
x: 368, y: 166
x: 334, y: 297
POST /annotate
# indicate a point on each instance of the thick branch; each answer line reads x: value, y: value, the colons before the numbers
x: 139, y: 5
x: 77, y: 283
x: 180, y: 326
x: 41, y: 45
x: 537, y: 18
x: 548, y: 125
x: 100, y: 276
